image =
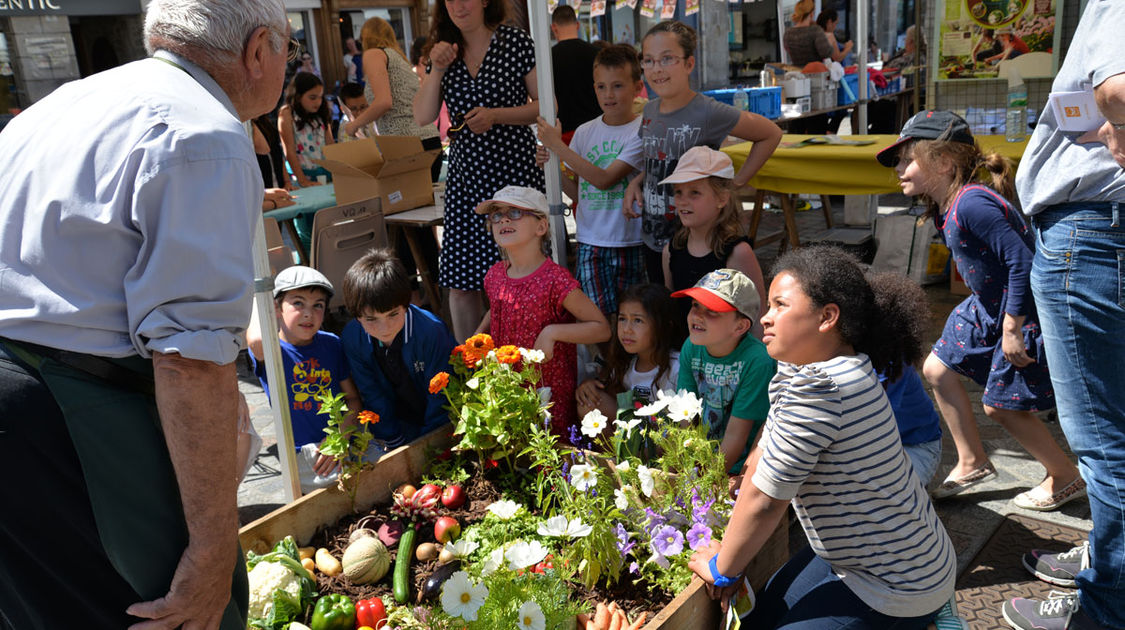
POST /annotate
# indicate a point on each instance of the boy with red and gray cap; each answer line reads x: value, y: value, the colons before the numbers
x: 729, y: 369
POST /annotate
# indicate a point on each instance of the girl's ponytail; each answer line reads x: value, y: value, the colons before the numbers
x: 1001, y: 176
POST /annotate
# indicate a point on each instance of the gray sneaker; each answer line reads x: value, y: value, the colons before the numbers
x: 1059, y: 569
x: 1060, y: 612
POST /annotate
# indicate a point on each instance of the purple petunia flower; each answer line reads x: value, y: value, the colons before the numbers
x: 634, y: 567
x: 667, y: 541
x: 698, y: 536
x: 655, y: 520
x: 624, y: 544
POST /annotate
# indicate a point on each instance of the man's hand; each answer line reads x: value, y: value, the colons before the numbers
x: 1112, y: 138
x: 198, y: 596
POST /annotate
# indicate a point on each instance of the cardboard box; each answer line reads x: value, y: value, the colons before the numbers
x: 393, y: 168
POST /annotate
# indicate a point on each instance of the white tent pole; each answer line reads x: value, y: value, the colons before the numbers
x: 861, y: 16
x: 275, y: 374
x: 541, y: 35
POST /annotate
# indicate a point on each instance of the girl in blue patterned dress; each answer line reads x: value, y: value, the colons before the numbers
x: 993, y: 337
x: 485, y: 72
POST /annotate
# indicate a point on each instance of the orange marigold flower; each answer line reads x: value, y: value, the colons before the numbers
x: 438, y: 382
x: 368, y: 417
x: 479, y: 345
x: 508, y: 354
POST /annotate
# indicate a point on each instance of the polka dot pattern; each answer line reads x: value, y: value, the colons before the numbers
x: 479, y: 165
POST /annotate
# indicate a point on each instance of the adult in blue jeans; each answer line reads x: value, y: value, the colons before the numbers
x: 1073, y: 188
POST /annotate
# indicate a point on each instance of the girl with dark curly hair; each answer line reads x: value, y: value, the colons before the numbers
x: 878, y: 557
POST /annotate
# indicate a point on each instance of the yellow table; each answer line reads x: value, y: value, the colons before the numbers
x: 828, y: 169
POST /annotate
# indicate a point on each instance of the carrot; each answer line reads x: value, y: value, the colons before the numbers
x: 639, y: 623
x: 601, y: 617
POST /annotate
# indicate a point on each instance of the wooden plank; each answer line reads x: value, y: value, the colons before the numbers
x: 324, y: 507
x: 690, y: 610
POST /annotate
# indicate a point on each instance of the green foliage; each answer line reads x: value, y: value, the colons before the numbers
x: 346, y: 439
x: 494, y: 532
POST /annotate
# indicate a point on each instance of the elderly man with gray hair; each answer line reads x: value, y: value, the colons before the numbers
x: 126, y: 221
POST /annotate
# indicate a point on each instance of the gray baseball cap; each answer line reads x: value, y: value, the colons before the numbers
x: 725, y: 290
x: 299, y: 277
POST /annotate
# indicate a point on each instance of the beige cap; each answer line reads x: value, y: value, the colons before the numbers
x: 699, y: 162
x: 518, y: 196
x: 725, y: 290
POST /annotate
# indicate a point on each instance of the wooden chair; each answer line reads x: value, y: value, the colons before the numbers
x: 341, y: 235
x: 280, y: 256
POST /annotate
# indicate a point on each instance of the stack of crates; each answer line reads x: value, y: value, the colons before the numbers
x: 822, y: 91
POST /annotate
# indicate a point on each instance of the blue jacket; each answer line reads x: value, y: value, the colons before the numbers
x: 426, y: 347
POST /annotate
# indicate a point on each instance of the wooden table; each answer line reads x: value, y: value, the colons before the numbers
x: 410, y: 223
x: 827, y: 169
x: 407, y: 223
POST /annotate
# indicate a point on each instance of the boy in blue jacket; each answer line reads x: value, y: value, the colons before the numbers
x: 394, y: 348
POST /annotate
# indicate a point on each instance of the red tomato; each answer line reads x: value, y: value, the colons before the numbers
x: 453, y: 497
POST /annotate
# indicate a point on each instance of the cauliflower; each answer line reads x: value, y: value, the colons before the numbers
x: 265, y: 578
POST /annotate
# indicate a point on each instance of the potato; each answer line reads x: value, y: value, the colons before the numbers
x: 327, y: 564
x: 306, y: 552
x: 426, y: 552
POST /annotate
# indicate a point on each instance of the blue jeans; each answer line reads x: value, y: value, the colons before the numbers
x: 1078, y: 279
x: 806, y: 595
x: 925, y: 457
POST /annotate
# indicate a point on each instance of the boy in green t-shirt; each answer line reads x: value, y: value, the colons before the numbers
x: 728, y: 368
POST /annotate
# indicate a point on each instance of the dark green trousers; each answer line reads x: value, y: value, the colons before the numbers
x: 92, y: 520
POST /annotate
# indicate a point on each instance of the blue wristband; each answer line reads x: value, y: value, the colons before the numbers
x: 721, y: 580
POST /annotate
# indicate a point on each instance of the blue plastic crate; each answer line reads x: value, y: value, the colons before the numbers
x: 848, y: 92
x: 765, y: 101
x: 723, y: 96
x: 893, y: 85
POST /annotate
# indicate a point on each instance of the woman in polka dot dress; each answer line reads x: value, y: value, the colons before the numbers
x: 993, y: 337
x: 485, y: 71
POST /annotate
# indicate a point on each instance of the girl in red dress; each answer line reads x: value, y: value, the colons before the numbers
x: 535, y: 303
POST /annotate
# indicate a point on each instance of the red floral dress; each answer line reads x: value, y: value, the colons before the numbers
x: 520, y: 309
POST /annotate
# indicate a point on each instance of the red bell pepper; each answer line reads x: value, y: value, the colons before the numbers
x: 370, y: 613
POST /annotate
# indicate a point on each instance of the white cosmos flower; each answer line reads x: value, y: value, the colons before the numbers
x: 583, y: 476
x: 525, y: 554
x: 491, y: 356
x: 461, y: 598
x: 504, y: 510
x: 594, y: 423
x: 627, y: 426
x: 494, y: 561
x: 559, y: 526
x: 684, y: 406
x: 554, y: 526
x: 620, y: 499
x: 623, y: 465
x: 532, y: 356
x: 648, y: 484
x: 655, y: 406
x: 472, y: 383
x: 531, y: 617
x: 462, y: 548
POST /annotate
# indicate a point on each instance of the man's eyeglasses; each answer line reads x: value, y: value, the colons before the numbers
x: 512, y: 214
x: 648, y: 63
x: 294, y: 49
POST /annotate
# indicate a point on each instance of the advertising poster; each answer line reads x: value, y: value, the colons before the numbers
x: 597, y: 8
x: 623, y: 22
x: 648, y: 9
x: 983, y: 39
x: 551, y: 6
x: 691, y: 7
x: 668, y: 10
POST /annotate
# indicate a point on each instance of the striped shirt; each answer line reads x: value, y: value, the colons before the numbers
x: 831, y: 445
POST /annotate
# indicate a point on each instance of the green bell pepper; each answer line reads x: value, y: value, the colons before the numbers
x: 333, y: 612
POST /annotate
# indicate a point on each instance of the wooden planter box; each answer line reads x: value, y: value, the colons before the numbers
x: 313, y: 512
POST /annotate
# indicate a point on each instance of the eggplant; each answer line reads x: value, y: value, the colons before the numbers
x: 431, y: 588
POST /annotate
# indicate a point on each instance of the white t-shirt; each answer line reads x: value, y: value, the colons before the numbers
x: 641, y: 383
x: 600, y: 222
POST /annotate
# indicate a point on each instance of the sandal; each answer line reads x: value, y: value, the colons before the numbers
x: 950, y: 487
x: 1037, y: 498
